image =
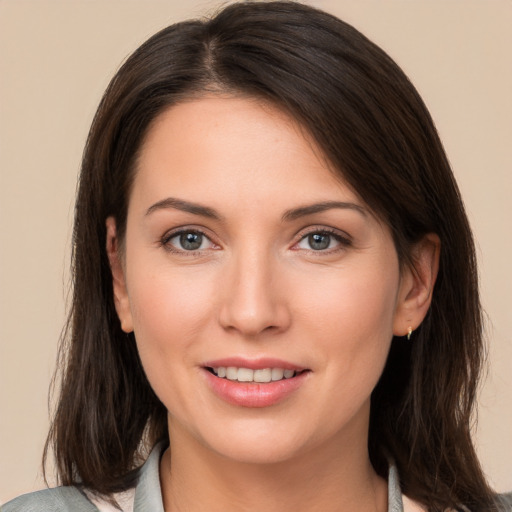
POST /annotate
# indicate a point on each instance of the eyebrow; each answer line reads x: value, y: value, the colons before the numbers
x: 289, y: 215
x: 302, y: 211
x: 184, y: 206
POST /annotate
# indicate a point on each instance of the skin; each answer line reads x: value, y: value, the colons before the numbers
x: 257, y: 288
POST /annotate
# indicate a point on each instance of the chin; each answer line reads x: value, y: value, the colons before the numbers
x: 261, y: 453
x: 258, y: 442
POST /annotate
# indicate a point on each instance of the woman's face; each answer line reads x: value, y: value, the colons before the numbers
x: 245, y: 255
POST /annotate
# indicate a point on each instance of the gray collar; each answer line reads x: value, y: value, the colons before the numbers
x: 148, y: 495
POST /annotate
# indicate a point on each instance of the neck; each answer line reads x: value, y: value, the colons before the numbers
x: 195, y: 478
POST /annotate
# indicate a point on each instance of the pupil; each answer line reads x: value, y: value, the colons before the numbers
x: 318, y: 241
x: 191, y: 241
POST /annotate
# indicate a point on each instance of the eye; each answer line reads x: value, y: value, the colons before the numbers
x: 322, y: 241
x: 187, y: 241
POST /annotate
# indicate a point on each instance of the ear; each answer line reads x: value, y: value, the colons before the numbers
x: 121, y: 300
x: 417, y: 285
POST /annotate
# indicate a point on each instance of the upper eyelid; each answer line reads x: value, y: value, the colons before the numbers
x: 323, y: 229
x: 185, y: 229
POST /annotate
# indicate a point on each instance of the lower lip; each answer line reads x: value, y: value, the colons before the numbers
x: 253, y: 394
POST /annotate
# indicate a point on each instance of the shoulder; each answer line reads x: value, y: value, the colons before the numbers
x: 146, y: 496
x: 506, y: 501
x: 60, y: 499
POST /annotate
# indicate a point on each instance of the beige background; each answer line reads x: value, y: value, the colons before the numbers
x: 56, y: 59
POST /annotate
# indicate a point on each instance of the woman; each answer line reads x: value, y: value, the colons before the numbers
x: 275, y: 283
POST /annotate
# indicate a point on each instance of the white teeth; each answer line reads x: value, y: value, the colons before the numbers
x: 245, y: 375
x: 248, y: 375
x: 232, y: 373
x: 277, y: 373
x: 263, y: 375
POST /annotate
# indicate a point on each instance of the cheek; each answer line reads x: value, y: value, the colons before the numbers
x: 350, y: 315
x: 170, y: 309
x: 354, y: 302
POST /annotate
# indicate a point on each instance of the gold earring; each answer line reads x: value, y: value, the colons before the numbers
x: 409, y: 333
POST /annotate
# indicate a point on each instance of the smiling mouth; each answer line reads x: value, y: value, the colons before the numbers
x: 248, y: 375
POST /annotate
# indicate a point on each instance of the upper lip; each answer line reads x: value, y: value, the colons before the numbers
x: 253, y: 364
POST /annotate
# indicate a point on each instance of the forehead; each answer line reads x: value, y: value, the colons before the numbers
x: 226, y: 146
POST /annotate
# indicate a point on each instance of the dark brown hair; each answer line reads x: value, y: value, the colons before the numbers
x: 374, y: 128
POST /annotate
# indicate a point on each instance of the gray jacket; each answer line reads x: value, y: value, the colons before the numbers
x: 148, y: 496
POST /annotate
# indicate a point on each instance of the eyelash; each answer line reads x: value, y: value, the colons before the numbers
x: 344, y: 241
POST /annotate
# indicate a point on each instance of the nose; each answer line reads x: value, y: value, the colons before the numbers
x: 254, y: 297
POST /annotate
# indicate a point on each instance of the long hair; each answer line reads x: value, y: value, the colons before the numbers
x: 375, y: 130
